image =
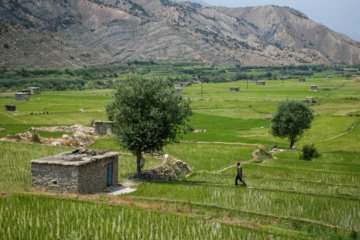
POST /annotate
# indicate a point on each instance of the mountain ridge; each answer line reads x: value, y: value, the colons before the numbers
x: 127, y: 30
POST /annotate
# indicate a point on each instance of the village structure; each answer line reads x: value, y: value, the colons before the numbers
x: 10, y: 107
x: 260, y: 83
x: 234, y: 89
x: 32, y: 90
x: 179, y: 90
x: 302, y: 79
x: 186, y: 84
x: 314, y: 88
x: 20, y: 96
x: 79, y: 171
x: 309, y: 100
x: 102, y: 127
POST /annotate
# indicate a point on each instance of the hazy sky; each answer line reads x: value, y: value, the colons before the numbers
x: 339, y: 15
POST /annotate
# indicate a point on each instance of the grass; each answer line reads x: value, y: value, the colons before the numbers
x: 287, y: 198
x: 15, y: 164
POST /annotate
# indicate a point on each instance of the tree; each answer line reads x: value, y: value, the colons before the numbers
x: 148, y: 114
x: 290, y: 120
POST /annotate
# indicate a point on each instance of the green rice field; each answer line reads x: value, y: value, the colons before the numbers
x: 285, y: 197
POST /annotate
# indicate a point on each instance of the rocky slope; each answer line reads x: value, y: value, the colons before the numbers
x: 27, y: 47
x: 121, y: 30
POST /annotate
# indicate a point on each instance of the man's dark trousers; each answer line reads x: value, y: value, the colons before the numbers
x: 239, y: 178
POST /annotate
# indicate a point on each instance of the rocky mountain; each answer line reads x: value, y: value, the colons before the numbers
x: 122, y: 30
x: 194, y: 1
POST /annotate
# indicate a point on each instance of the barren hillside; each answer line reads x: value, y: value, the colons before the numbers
x: 162, y: 30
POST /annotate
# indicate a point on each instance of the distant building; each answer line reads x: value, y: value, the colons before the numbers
x: 309, y: 100
x: 20, y: 96
x: 186, y: 84
x: 260, y: 83
x: 234, y: 89
x: 255, y: 79
x: 302, y: 79
x: 179, y: 90
x: 10, y: 107
x: 27, y: 91
x: 329, y: 76
x: 284, y: 78
x: 314, y: 88
x: 102, y: 127
x: 34, y: 90
x: 79, y: 171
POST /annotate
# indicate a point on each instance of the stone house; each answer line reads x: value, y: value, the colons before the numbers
x: 309, y: 100
x: 26, y: 91
x: 20, y: 96
x: 102, y: 127
x: 179, y: 90
x: 234, y: 89
x: 186, y: 84
x: 79, y: 171
x: 260, y: 83
x: 34, y: 90
x: 314, y: 88
x: 10, y: 107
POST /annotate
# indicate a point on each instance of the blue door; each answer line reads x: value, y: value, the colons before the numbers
x: 109, y: 175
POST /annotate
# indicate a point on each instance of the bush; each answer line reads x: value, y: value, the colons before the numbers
x: 309, y: 152
x: 35, y: 137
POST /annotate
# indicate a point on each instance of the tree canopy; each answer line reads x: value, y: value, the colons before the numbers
x: 148, y: 114
x: 290, y: 120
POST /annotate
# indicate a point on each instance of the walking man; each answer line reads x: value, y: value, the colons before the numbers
x: 239, y: 174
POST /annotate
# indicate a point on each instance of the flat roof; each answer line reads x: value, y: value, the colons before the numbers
x: 76, y: 157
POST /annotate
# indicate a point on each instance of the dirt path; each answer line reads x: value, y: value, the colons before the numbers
x: 15, y: 118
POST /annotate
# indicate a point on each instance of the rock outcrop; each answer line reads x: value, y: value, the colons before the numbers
x: 121, y: 30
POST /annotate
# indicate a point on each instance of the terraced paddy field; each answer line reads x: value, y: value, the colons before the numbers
x: 285, y: 197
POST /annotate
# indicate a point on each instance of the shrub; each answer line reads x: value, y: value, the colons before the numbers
x: 309, y: 152
x: 35, y: 137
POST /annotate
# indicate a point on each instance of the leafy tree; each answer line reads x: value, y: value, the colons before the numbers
x: 290, y: 120
x: 148, y: 114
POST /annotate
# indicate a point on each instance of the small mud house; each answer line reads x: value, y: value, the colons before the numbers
x: 20, y: 96
x: 26, y: 91
x: 309, y: 100
x: 179, y: 90
x: 302, y: 79
x: 102, y: 127
x: 185, y: 84
x: 80, y: 171
x: 234, y: 89
x: 34, y: 90
x: 314, y: 88
x: 260, y: 83
x: 10, y: 107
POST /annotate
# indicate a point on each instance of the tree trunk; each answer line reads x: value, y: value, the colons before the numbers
x: 138, y: 159
x: 292, y: 141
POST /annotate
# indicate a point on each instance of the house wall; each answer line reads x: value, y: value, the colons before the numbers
x: 88, y: 178
x: 54, y: 177
x: 92, y: 176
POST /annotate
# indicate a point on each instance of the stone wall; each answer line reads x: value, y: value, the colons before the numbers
x: 87, y: 178
x: 92, y: 177
x: 102, y: 127
x: 55, y: 177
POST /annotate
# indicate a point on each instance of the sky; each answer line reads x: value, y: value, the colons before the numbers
x: 338, y: 15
